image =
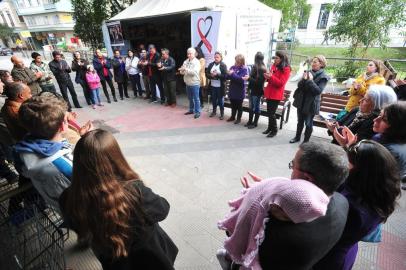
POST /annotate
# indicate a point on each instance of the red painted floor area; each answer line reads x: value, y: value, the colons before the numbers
x: 153, y: 118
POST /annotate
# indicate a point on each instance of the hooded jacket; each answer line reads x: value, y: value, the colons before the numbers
x: 48, y: 164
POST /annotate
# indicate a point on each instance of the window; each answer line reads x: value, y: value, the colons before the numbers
x: 323, y: 17
x: 304, y: 19
x: 10, y: 18
x: 21, y: 18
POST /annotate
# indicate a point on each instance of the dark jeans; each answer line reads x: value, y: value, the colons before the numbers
x: 255, y: 104
x: 155, y: 80
x: 304, y: 120
x: 136, y: 83
x: 271, y: 106
x: 110, y: 83
x: 170, y: 91
x: 236, y: 108
x: 68, y: 85
x: 48, y: 88
x: 217, y: 98
x: 122, y: 89
x: 86, y: 91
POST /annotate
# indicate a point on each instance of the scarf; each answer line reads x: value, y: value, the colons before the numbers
x: 359, y: 117
x: 368, y: 77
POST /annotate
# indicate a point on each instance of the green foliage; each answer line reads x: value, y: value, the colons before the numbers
x: 5, y: 31
x: 350, y: 69
x: 89, y: 15
x: 364, y: 23
x: 292, y: 11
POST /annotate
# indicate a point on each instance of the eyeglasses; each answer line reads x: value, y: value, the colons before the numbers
x: 291, y: 165
x: 354, y: 147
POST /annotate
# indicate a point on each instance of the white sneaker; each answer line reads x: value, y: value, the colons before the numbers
x: 221, y: 255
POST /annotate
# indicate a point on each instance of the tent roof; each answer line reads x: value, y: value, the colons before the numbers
x: 153, y: 8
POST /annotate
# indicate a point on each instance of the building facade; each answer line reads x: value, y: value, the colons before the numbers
x: 48, y: 22
x: 311, y: 30
x: 9, y: 17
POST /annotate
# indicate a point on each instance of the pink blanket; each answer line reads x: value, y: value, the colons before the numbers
x: 301, y: 200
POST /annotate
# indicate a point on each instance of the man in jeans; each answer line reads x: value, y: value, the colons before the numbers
x: 142, y: 66
x: 191, y: 76
x: 168, y: 77
x: 61, y: 71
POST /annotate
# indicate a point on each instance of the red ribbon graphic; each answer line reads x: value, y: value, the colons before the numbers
x: 203, y: 37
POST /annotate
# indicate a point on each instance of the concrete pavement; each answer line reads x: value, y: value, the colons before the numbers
x: 196, y: 166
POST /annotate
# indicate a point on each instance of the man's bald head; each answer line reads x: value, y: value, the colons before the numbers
x: 17, y: 61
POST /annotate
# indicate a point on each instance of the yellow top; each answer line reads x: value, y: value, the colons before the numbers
x: 357, y: 94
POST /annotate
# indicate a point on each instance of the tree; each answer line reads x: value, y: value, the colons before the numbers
x: 292, y: 11
x: 117, y: 6
x: 89, y: 15
x: 5, y: 33
x: 364, y: 23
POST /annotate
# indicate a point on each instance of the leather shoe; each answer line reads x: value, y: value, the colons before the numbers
x: 294, y: 140
x: 187, y: 113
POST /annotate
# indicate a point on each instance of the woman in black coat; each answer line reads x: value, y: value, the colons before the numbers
x: 109, y: 204
x: 216, y: 72
x: 307, y: 97
x: 79, y: 65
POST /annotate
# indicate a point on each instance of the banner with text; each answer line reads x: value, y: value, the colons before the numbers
x: 204, y: 32
x: 253, y: 35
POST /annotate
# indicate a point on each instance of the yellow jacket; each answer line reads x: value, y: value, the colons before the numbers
x: 357, y: 94
x: 202, y: 73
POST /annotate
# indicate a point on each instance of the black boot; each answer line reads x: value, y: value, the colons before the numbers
x: 274, y: 127
x: 239, y: 114
x: 221, y: 114
x: 269, y: 126
x: 299, y: 129
x: 307, y: 134
x: 249, y: 123
x: 213, y: 113
x: 255, y: 123
x: 232, y: 117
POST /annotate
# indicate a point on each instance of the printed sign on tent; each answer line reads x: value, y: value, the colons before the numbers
x: 115, y: 33
x: 204, y: 32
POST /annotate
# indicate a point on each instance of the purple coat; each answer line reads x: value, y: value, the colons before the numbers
x: 361, y: 221
x: 237, y: 84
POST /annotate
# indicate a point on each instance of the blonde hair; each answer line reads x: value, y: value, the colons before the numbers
x: 240, y: 59
x: 322, y: 60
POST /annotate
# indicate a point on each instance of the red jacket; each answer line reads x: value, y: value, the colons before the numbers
x: 276, y: 84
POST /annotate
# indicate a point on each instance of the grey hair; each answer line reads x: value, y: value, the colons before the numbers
x: 165, y: 50
x: 382, y: 95
x: 14, y: 89
x: 326, y: 163
x: 191, y: 50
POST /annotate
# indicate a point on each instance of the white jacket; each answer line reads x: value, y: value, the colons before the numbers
x: 191, y: 73
x: 131, y: 65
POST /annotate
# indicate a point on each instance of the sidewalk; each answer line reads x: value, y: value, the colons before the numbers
x: 196, y: 166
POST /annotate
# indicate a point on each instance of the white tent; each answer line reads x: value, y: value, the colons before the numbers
x: 245, y: 27
x: 153, y: 8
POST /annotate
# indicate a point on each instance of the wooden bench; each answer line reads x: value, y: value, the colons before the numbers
x: 330, y: 103
x: 282, y: 112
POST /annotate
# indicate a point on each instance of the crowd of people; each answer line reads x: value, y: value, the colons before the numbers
x: 339, y: 193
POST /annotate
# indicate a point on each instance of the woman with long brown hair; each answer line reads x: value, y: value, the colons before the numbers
x: 109, y: 204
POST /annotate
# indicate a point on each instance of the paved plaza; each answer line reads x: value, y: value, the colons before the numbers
x: 196, y: 166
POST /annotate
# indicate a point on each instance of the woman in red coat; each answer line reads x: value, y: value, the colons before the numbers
x: 277, y: 78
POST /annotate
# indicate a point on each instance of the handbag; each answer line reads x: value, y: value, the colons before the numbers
x: 375, y: 236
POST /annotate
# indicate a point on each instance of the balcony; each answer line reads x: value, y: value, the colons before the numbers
x: 46, y: 7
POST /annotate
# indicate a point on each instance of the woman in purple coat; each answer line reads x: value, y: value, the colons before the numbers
x: 237, y: 75
x: 371, y: 189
